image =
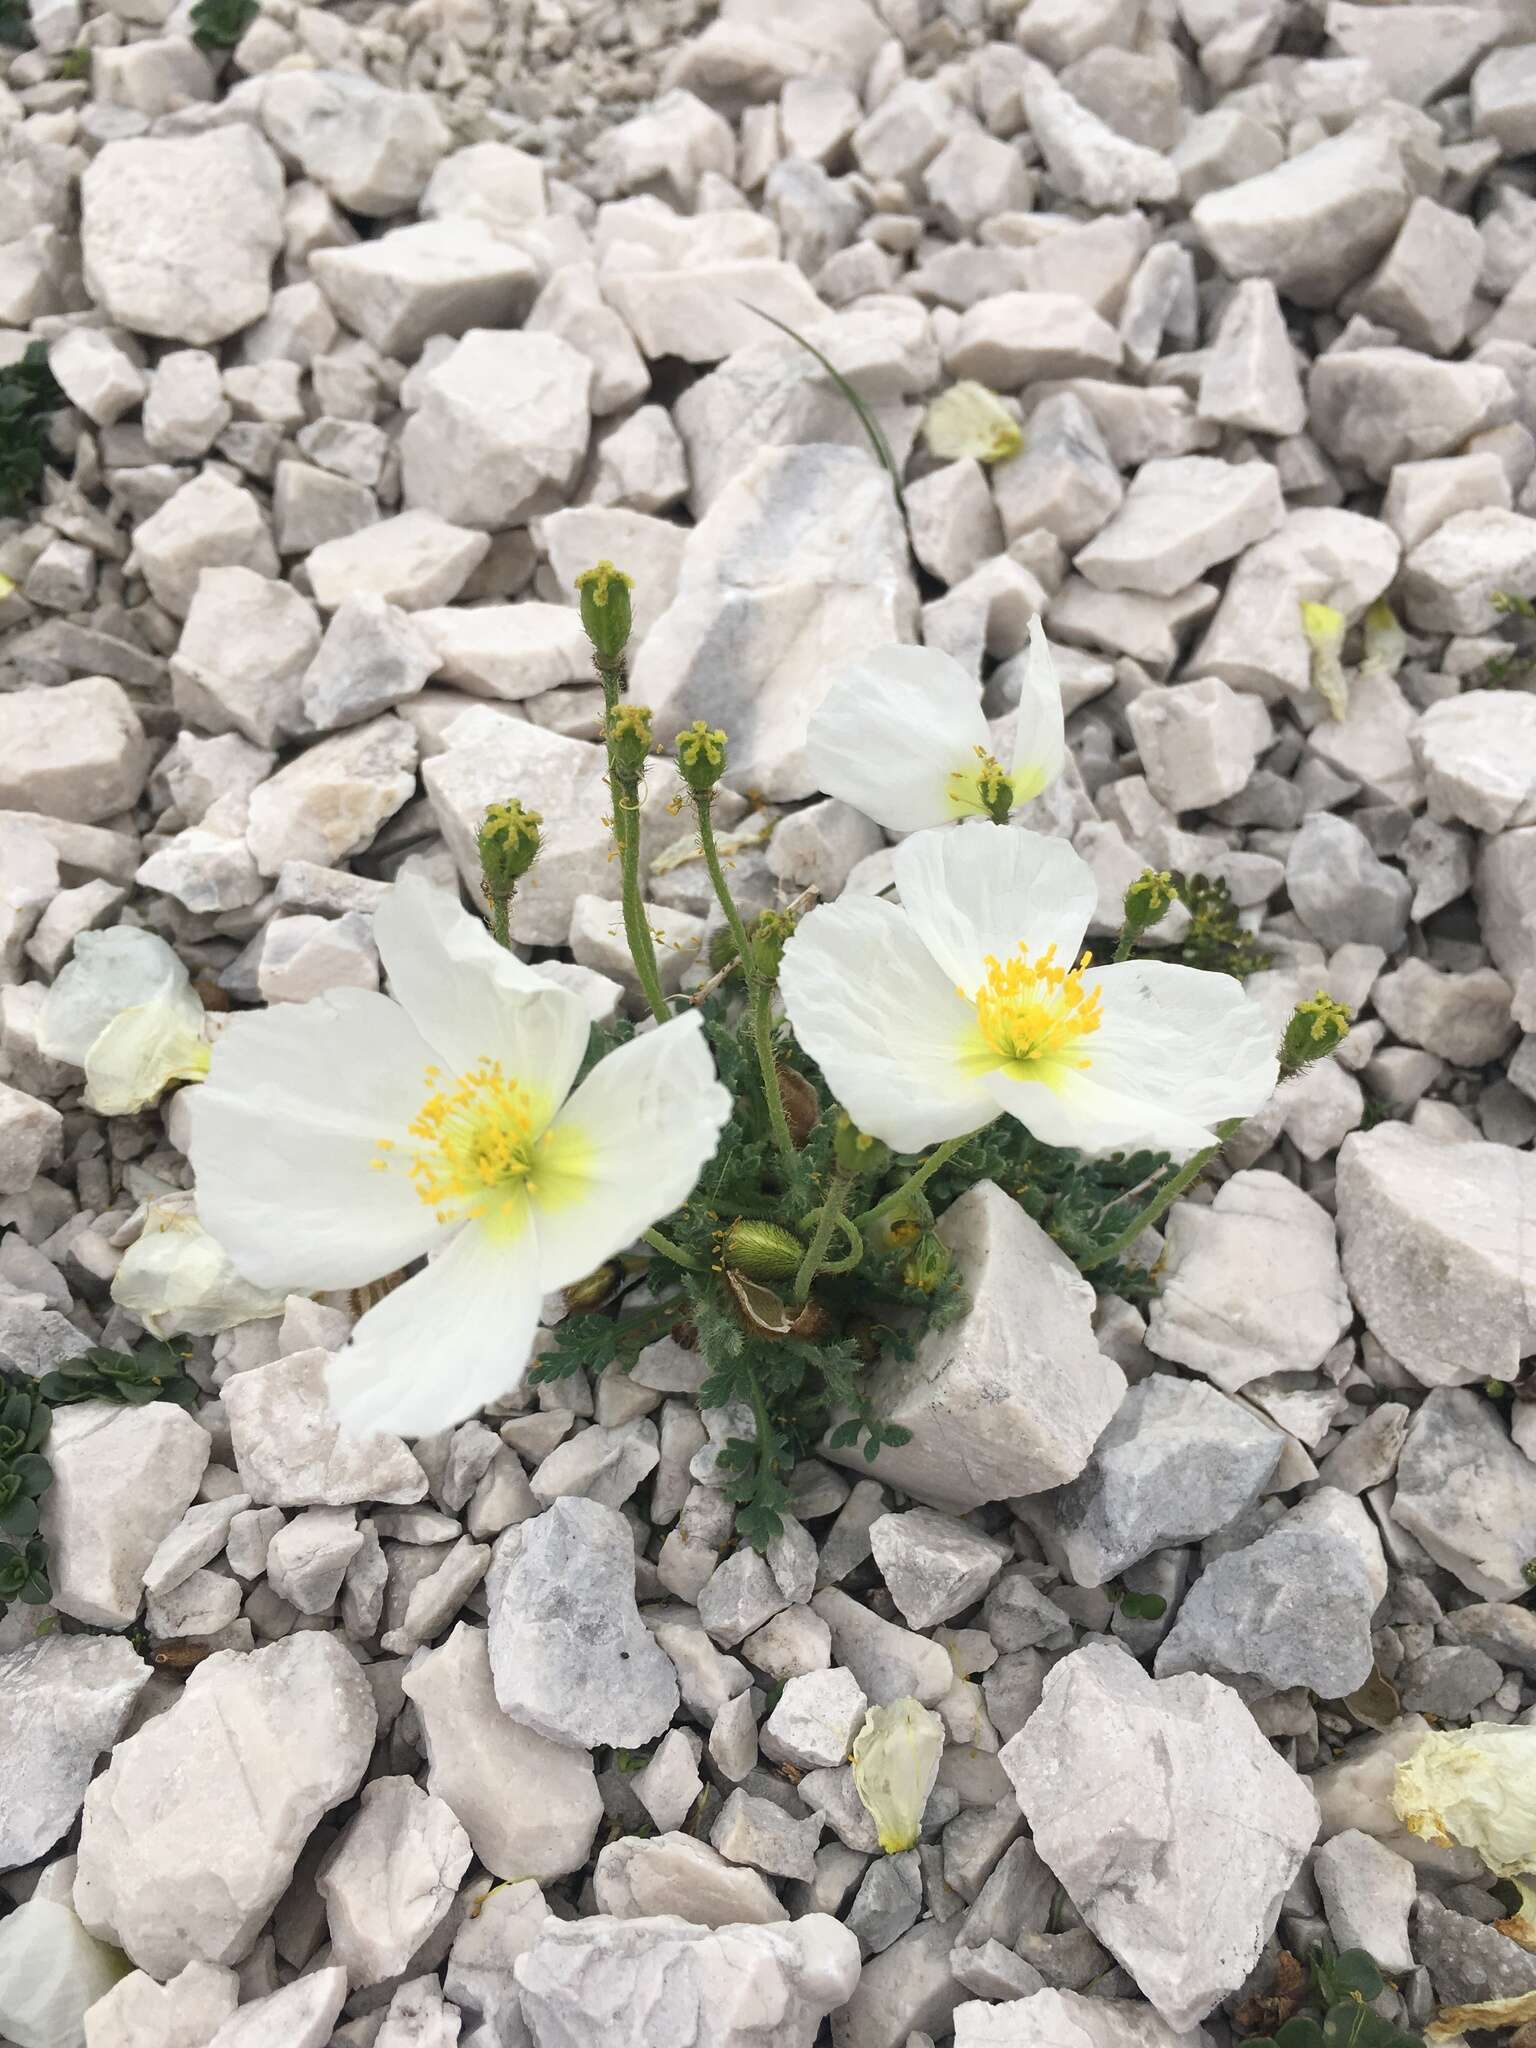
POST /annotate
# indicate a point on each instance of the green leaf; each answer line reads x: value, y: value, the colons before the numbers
x: 1143, y: 1606
x: 19, y: 1517
x: 219, y: 24
x: 1301, y: 2032
x: 1352, y: 1973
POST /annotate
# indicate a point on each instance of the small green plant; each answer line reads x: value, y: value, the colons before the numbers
x: 153, y: 1373
x: 866, y: 417
x: 25, y: 1476
x: 1142, y: 1606
x: 1217, y: 940
x: 219, y: 24
x: 28, y: 397
x: 1340, y: 1994
x: 76, y: 63
x: 15, y: 24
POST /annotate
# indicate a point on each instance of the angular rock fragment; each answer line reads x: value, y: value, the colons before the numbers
x: 75, y: 750
x: 372, y: 149
x: 499, y: 430
x: 1467, y: 1493
x: 435, y: 277
x: 1178, y: 519
x: 63, y: 1699
x: 391, y: 1878
x: 635, y: 1877
x: 291, y: 1452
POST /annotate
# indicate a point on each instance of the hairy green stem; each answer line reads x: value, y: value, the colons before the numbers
x: 501, y: 909
x: 703, y: 803
x: 915, y: 1180
x: 827, y: 1218
x: 626, y: 830
x: 1127, y: 941
x: 1167, y: 1193
x: 767, y: 1066
x: 669, y: 1250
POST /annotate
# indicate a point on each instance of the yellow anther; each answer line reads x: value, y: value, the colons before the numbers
x: 474, y: 1143
x: 1033, y: 1010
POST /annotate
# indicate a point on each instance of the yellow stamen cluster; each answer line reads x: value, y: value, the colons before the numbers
x: 1035, y: 1010
x: 983, y: 790
x: 477, y: 1134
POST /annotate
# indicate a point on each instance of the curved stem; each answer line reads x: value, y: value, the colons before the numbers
x: 703, y: 803
x: 1168, y: 1193
x: 914, y: 1181
x: 827, y: 1219
x: 767, y: 1066
x: 669, y: 1250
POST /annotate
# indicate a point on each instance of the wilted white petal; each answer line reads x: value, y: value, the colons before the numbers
x: 114, y: 970
x: 1040, y: 740
x: 895, y: 1041
x: 1324, y: 628
x: 893, y: 730
x: 179, y: 1281
x: 1474, y: 1788
x: 51, y: 1971
x: 968, y: 419
x: 627, y: 1148
x: 896, y: 1758
x: 143, y: 1050
x: 988, y: 891
x: 444, y: 1343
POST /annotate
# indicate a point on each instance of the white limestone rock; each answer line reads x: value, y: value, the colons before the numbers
x: 1433, y: 1253
x: 571, y: 1658
x: 1424, y: 288
x: 391, y: 1878
x: 185, y: 2013
x: 1012, y: 1398
x: 1376, y: 407
x: 172, y: 1868
x: 1179, y: 518
x: 636, y: 1877
x: 602, y: 1983
x: 195, y: 1541
x: 702, y: 313
x: 650, y: 550
x: 1250, y: 378
x: 815, y: 1721
x: 499, y: 430
x: 185, y: 410
x: 300, y: 2015
x: 507, y: 651
x: 210, y: 523
x: 290, y: 1451
x: 63, y: 1700
x: 371, y: 149
x: 1505, y: 887
x: 934, y: 1566
x: 1068, y: 2019
x: 1342, y: 891
x: 436, y: 277
x: 1450, y: 578
x: 889, y: 1662
x: 245, y: 649
x: 373, y: 656
x: 1087, y: 159
x: 1479, y: 756
x: 1463, y: 1018
x: 330, y: 801
x: 571, y: 308
x: 1468, y: 1493
x: 96, y: 374
x: 178, y: 232
x: 1177, y: 1462
x: 531, y: 1806
x: 1251, y: 1283
x: 31, y: 1137
x: 414, y: 560
x: 1198, y: 741
x: 71, y: 750
x: 1175, y: 1828
x: 1018, y: 338
x: 122, y: 1479
x: 1368, y: 1892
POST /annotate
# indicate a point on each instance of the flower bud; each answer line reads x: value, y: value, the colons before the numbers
x: 800, y: 1103
x: 1316, y: 1027
x: 592, y: 1289
x: 701, y: 756
x: 629, y: 739
x: 763, y: 1251
x: 856, y: 1153
x: 770, y: 933
x: 508, y: 845
x: 895, y: 1761
x: 927, y: 1264
x: 606, y: 618
x: 1148, y: 901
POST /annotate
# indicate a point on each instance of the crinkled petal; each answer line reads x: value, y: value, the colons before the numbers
x: 1040, y: 740
x: 1177, y: 1052
x: 143, y: 1050
x: 896, y: 1043
x: 109, y: 971
x: 286, y: 1133
x: 179, y: 1280
x: 627, y: 1149
x: 51, y: 1971
x: 471, y: 999
x: 891, y: 730
x: 986, y: 890
x: 445, y: 1342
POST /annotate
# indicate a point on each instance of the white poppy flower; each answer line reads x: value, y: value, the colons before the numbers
x: 123, y: 1009
x: 335, y: 1141
x: 901, y: 736
x: 975, y: 997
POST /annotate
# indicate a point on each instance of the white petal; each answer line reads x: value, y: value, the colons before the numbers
x: 627, y: 1149
x: 895, y: 1041
x: 471, y: 999
x: 177, y: 1279
x: 51, y: 1972
x: 443, y: 1344
x: 1040, y: 740
x: 110, y: 971
x: 1178, y: 1051
x: 285, y: 1136
x: 892, y: 728
x: 986, y: 890
x: 143, y: 1050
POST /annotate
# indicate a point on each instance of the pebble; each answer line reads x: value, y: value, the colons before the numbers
x: 63, y: 1700
x: 391, y: 1878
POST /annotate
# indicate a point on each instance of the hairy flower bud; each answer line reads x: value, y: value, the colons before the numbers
x: 1148, y: 901
x: 763, y: 1251
x: 1316, y: 1027
x: 508, y: 844
x: 701, y: 756
x: 927, y: 1264
x: 606, y: 617
x: 629, y: 739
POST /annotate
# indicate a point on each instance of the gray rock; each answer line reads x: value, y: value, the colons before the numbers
x: 1432, y: 1252
x: 1505, y: 879
x: 1340, y: 889
x: 570, y: 1656
x: 1450, y: 1681
x: 933, y: 1565
x: 1367, y: 1895
x: 1012, y: 1398
x: 1467, y: 1962
x: 1179, y: 518
x: 1177, y: 1462
x: 291, y: 1453
x: 760, y: 1833
x: 172, y: 1868
x: 1467, y: 1493
x: 1504, y: 1629
x: 391, y: 1878
x: 908, y: 1989
x: 601, y: 1983
x: 531, y: 1807
x: 635, y: 1878
x: 1376, y: 407
x: 1173, y: 1825
x: 890, y: 1663
x: 63, y: 1700
x: 1462, y: 1017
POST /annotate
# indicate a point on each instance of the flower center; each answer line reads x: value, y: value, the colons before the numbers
x: 983, y: 791
x: 476, y: 1140
x: 1034, y: 1010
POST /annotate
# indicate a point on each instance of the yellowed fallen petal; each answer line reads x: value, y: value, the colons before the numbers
x: 1474, y: 1788
x: 968, y: 419
x: 7, y: 587
x: 1324, y: 628
x: 895, y: 1761
x: 1452, y: 2021
x: 138, y: 1055
x: 179, y: 1281
x: 1385, y: 641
